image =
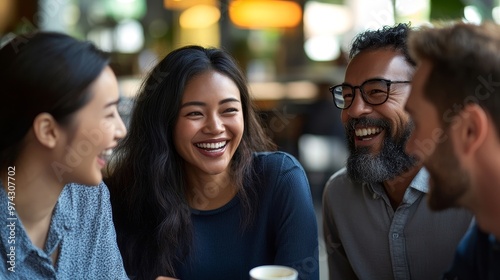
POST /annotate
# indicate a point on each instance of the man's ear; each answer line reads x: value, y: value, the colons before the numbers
x: 473, y: 130
x: 45, y: 129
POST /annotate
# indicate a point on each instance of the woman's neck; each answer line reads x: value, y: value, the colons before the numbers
x: 209, y: 192
x: 35, y: 196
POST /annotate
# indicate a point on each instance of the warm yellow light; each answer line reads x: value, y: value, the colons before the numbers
x: 184, y: 4
x: 199, y: 16
x: 265, y: 13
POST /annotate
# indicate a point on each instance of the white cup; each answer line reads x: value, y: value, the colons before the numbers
x: 273, y: 272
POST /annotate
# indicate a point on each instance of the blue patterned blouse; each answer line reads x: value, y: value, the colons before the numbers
x: 81, y: 226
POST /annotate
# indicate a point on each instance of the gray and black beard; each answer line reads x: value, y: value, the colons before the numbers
x: 391, y: 161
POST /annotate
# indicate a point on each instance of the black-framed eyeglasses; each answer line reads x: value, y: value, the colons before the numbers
x: 373, y: 92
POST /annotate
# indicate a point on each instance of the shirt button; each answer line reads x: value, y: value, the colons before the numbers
x: 375, y: 196
x: 395, y: 235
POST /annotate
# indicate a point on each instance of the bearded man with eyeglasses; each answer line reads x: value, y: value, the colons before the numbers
x: 376, y: 222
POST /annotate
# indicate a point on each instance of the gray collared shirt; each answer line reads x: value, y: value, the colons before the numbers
x: 82, y: 228
x: 366, y: 239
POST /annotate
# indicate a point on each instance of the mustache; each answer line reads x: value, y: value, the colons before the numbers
x: 351, y: 124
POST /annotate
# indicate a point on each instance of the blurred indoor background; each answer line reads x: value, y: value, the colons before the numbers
x: 290, y: 50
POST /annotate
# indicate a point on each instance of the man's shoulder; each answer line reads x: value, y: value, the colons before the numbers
x: 473, y: 257
x: 338, y: 179
x: 340, y: 183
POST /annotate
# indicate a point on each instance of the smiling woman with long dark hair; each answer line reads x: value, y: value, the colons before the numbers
x: 195, y: 193
x: 58, y: 124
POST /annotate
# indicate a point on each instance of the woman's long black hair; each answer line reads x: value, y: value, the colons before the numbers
x: 147, y: 183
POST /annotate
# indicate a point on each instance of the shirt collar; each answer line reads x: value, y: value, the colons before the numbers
x: 417, y: 186
x: 421, y: 181
x: 62, y: 220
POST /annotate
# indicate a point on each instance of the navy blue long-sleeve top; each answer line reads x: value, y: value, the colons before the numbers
x: 283, y: 232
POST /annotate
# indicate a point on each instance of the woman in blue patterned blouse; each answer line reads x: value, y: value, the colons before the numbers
x: 58, y: 124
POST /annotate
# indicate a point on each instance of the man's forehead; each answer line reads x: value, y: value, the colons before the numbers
x: 379, y: 63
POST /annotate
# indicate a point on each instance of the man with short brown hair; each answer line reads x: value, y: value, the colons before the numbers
x: 455, y: 105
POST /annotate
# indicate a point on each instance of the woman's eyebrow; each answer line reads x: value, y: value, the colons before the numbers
x: 112, y: 103
x: 199, y: 103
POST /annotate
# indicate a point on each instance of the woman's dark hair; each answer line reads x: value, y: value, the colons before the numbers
x: 147, y: 183
x: 42, y: 72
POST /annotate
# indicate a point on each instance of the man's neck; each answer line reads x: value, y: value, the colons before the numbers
x: 396, y: 188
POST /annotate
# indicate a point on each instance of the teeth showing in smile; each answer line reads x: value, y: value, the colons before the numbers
x: 217, y: 145
x: 361, y: 132
x: 106, y: 154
